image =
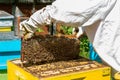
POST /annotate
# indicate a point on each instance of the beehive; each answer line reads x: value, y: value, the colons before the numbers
x: 10, y: 47
x: 81, y: 69
x: 6, y: 21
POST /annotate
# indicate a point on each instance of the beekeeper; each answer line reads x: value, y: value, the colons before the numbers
x: 99, y: 18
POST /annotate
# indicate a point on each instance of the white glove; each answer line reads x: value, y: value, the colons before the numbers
x: 39, y: 18
x: 25, y: 30
x: 78, y: 31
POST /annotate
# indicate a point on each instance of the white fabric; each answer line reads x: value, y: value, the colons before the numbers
x: 107, y: 39
x: 100, y: 18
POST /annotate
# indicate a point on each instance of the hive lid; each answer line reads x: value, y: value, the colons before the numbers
x: 5, y: 15
x: 18, y: 12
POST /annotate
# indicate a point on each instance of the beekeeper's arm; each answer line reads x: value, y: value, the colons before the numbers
x: 68, y: 12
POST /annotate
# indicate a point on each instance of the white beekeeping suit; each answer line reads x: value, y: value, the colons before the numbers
x: 99, y: 18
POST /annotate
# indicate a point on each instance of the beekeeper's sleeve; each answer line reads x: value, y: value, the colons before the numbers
x: 68, y: 12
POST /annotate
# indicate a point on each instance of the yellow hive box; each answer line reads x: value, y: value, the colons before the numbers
x: 102, y: 72
x: 2, y: 29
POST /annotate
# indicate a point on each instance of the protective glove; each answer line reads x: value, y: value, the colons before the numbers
x: 26, y: 30
x: 78, y: 32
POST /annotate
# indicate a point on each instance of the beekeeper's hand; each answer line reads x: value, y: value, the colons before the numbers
x: 38, y: 19
x: 25, y: 30
x: 78, y: 32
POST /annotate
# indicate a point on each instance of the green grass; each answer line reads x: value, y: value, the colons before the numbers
x: 3, y: 74
x: 84, y: 47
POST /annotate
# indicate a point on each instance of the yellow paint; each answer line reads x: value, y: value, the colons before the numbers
x: 17, y: 73
x: 2, y: 29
